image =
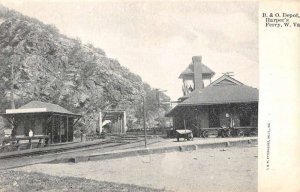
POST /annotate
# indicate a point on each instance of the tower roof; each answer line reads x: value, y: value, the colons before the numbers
x: 207, y: 73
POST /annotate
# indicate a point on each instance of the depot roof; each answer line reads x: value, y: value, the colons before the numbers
x: 226, y: 91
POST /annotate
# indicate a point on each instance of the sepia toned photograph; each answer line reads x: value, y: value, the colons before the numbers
x: 129, y: 96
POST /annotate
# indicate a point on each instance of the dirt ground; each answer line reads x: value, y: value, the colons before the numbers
x: 219, y: 169
x: 17, y: 181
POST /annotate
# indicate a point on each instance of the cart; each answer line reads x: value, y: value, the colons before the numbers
x: 184, y: 133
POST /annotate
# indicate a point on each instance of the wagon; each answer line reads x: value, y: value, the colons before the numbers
x: 184, y: 133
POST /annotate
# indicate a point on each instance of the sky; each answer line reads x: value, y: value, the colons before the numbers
x: 158, y: 39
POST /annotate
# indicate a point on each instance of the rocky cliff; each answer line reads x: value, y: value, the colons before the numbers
x: 50, y: 67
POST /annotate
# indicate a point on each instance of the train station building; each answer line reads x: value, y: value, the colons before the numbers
x: 223, y: 102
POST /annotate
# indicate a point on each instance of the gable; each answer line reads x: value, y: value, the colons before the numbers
x: 225, y: 80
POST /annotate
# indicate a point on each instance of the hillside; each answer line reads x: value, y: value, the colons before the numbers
x: 50, y: 67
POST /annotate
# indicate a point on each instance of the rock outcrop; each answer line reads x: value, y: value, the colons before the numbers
x: 50, y: 67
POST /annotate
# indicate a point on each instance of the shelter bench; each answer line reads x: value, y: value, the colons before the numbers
x: 15, y: 141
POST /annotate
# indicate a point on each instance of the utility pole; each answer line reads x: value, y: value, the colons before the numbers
x: 12, y: 100
x: 144, y: 121
x: 158, y: 96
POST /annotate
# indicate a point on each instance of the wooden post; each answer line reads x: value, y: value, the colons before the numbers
x: 30, y: 144
x: 174, y: 122
x: 12, y: 100
x: 100, y: 122
x: 60, y: 122
x: 52, y: 127
x: 184, y: 128
x: 120, y: 124
x: 67, y: 128
x: 144, y: 121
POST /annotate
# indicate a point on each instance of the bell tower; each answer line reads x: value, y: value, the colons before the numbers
x: 194, y: 75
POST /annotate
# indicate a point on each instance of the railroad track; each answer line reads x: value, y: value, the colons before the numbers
x: 23, y: 158
x: 70, y: 148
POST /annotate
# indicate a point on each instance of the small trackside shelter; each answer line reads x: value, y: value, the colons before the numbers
x: 117, y: 119
x: 43, y: 119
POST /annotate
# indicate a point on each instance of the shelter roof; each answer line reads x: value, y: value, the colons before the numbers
x: 112, y: 114
x: 40, y: 107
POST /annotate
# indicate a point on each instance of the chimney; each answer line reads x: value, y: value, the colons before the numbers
x: 198, y: 81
